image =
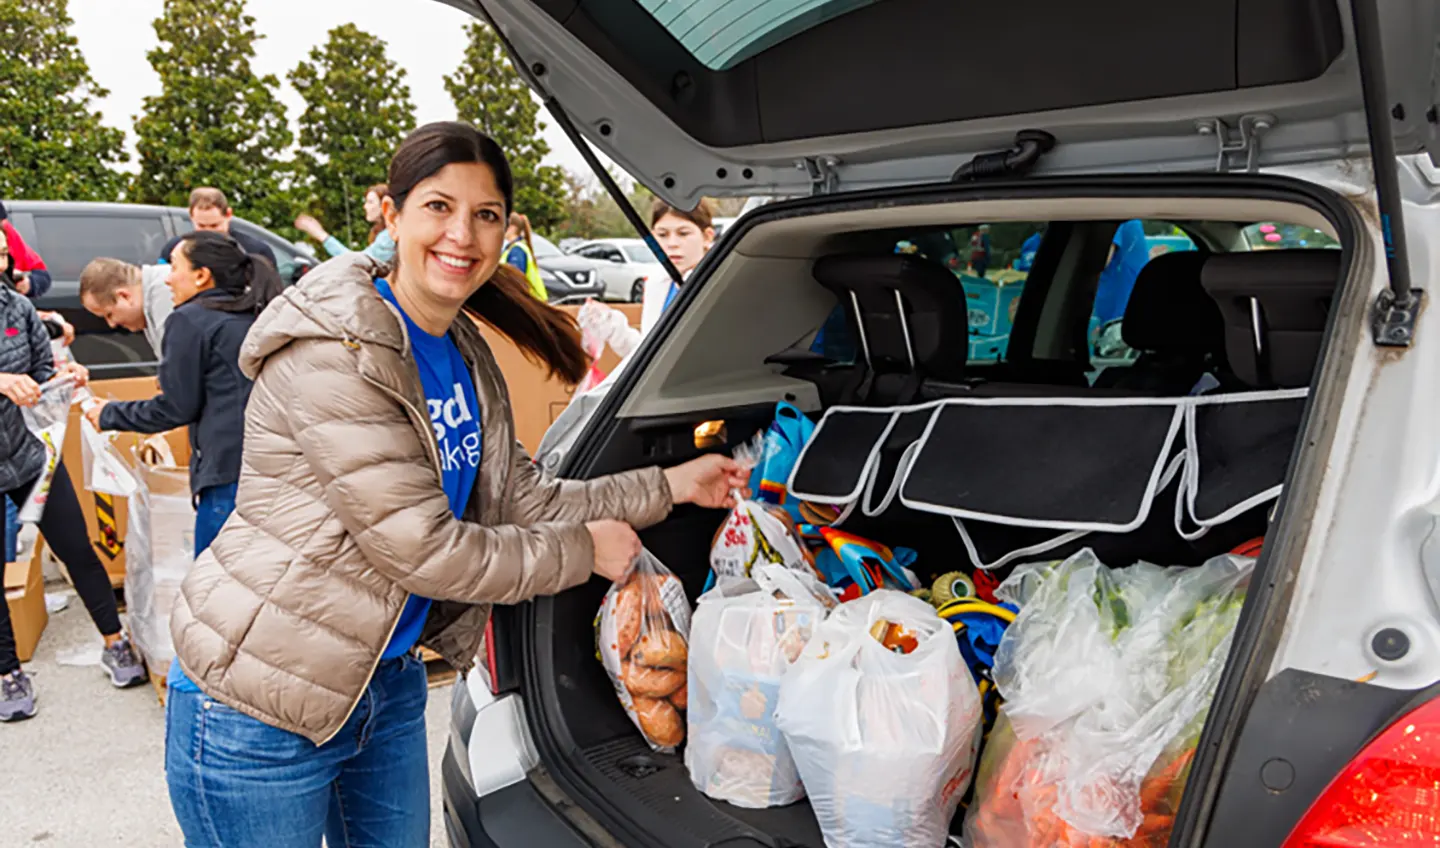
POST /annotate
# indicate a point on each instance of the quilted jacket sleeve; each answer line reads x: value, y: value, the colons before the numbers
x: 640, y: 498
x: 377, y: 479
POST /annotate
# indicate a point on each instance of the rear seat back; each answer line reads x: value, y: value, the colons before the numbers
x: 907, y: 313
x: 1177, y: 327
x: 1275, y: 304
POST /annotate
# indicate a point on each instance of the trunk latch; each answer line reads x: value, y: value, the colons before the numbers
x: 821, y: 171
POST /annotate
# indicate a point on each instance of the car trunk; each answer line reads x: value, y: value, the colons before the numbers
x: 761, y: 274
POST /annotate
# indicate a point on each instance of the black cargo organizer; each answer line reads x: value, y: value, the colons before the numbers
x: 1022, y: 476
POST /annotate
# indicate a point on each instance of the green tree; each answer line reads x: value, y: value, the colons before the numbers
x: 357, y: 109
x: 215, y: 122
x: 51, y: 140
x: 491, y: 96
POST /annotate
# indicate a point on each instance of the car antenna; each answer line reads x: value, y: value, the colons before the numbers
x: 1029, y: 146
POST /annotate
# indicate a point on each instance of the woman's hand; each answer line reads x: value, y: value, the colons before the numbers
x: 22, y: 283
x: 93, y: 412
x: 20, y: 388
x: 616, y: 547
x: 708, y: 481
x: 308, y: 225
x: 66, y: 328
x: 77, y: 372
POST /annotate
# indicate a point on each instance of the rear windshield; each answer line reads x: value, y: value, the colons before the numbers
x: 723, y: 33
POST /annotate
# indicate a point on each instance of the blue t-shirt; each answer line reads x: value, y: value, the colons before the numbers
x: 516, y: 257
x: 1118, y: 278
x: 455, y: 415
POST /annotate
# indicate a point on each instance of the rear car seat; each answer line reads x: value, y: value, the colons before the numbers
x: 1274, y: 304
x: 1177, y: 327
x: 910, y: 318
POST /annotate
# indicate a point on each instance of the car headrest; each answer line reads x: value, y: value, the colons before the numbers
x: 900, y: 294
x: 1169, y: 311
x: 1275, y: 304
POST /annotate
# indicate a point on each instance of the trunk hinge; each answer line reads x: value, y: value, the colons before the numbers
x: 821, y: 171
x: 1231, y: 144
x: 1393, y: 321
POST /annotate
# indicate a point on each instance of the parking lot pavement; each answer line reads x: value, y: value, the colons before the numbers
x: 89, y: 768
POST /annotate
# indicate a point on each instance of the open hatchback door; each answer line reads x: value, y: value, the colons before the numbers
x: 790, y: 97
x: 961, y: 177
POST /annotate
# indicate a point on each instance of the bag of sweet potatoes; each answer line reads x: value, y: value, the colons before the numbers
x: 642, y: 633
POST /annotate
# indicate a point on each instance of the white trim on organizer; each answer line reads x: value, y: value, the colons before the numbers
x: 871, y: 462
x: 1190, y: 489
x: 1146, y: 501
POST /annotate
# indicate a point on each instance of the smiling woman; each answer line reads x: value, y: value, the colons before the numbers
x: 384, y: 504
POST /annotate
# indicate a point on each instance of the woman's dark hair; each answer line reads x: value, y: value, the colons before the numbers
x: 543, y: 333
x: 381, y: 191
x: 250, y: 281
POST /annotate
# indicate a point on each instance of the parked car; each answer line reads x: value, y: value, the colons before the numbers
x: 567, y: 279
x: 624, y: 264
x: 70, y: 234
x: 720, y: 225
x: 1324, y: 720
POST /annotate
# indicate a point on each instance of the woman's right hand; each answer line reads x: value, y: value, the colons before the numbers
x: 21, y: 389
x: 311, y: 227
x: 616, y: 547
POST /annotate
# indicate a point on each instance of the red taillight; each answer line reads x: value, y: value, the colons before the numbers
x: 1388, y: 795
x: 490, y: 655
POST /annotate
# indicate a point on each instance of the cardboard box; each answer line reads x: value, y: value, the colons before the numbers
x: 25, y: 596
x: 536, y: 399
x: 105, y: 515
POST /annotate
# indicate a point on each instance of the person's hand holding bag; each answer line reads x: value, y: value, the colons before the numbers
x: 709, y: 481
x: 616, y: 547
x: 20, y: 388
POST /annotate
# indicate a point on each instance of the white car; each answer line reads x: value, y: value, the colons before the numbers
x: 624, y: 264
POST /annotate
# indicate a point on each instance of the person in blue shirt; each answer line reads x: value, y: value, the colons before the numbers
x: 1128, y: 254
x: 381, y: 246
x: 1028, y: 249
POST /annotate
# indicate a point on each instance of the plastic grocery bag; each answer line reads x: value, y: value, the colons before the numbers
x: 884, y: 739
x: 47, y: 419
x: 642, y: 637
x: 159, y: 548
x: 1107, y: 676
x: 105, y: 470
x: 755, y: 532
x: 745, y: 635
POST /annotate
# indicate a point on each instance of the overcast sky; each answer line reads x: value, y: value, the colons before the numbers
x: 425, y: 38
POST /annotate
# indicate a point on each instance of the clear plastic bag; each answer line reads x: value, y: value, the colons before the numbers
x: 642, y: 637
x: 105, y: 470
x: 47, y: 420
x: 159, y: 549
x: 1107, y: 676
x: 884, y: 741
x: 756, y: 532
x: 744, y: 637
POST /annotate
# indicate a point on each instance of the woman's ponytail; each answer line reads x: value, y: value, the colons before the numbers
x: 544, y: 334
x: 250, y: 281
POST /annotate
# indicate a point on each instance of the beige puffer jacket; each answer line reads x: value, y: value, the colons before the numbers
x: 340, y: 513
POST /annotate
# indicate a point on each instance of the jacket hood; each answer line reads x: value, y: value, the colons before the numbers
x: 337, y: 300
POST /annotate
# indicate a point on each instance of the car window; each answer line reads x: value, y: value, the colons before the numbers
x: 639, y: 253
x: 288, y: 259
x: 609, y: 254
x: 69, y: 241
x: 722, y: 33
x: 1134, y: 244
x: 1273, y: 235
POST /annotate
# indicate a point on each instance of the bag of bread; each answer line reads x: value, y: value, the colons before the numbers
x: 642, y: 637
x: 745, y: 635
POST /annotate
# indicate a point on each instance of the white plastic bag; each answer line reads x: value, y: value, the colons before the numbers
x: 756, y: 532
x: 744, y: 636
x: 885, y: 742
x: 105, y: 470
x: 1107, y: 675
x: 641, y: 633
x: 47, y: 419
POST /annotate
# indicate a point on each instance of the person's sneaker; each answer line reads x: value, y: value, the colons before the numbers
x: 123, y: 664
x: 17, y: 696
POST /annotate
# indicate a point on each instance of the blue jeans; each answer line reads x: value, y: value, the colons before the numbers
x: 236, y: 781
x: 213, y: 506
x: 12, y: 529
